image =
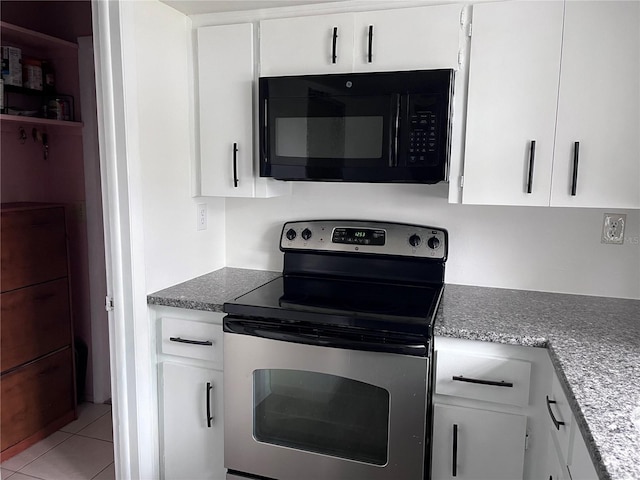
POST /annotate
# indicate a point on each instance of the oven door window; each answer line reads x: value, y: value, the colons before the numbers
x: 331, y: 132
x: 321, y: 413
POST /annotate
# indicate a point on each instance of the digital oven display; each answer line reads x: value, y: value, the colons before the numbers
x: 359, y: 236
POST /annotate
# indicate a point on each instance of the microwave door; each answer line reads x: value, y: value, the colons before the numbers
x: 324, y: 137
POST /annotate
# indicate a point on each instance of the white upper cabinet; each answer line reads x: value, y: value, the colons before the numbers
x: 388, y: 40
x: 599, y: 107
x: 225, y: 85
x: 226, y: 79
x: 512, y: 98
x: 407, y: 39
x: 587, y: 128
x: 306, y: 45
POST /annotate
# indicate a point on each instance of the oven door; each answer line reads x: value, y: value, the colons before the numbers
x: 297, y: 411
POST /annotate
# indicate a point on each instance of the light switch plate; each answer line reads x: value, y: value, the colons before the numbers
x: 613, y: 228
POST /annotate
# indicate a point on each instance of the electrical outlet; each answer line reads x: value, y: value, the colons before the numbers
x: 613, y: 228
x: 202, y: 216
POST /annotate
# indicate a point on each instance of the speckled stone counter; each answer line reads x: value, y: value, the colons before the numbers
x: 594, y: 344
x: 210, y: 291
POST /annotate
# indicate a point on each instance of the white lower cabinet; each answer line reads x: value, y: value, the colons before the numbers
x: 568, y: 457
x: 192, y: 422
x: 190, y: 395
x: 477, y: 444
x: 556, y: 466
x: 494, y: 396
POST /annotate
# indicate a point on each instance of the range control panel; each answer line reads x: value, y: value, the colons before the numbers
x: 365, y: 237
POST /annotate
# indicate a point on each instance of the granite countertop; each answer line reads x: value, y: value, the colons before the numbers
x: 210, y: 291
x: 594, y: 344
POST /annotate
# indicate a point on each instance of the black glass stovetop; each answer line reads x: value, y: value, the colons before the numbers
x: 389, y: 307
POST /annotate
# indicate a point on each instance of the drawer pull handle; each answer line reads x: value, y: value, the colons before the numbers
x: 206, y: 343
x: 556, y: 422
x: 454, y: 462
x: 209, y: 416
x: 493, y: 383
x: 370, y: 50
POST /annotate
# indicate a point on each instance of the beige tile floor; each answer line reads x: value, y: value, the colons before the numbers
x: 81, y: 450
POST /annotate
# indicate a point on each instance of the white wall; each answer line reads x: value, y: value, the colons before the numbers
x: 174, y: 250
x: 547, y: 249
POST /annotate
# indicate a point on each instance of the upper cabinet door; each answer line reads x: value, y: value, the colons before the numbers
x: 407, y: 39
x: 512, y: 98
x: 599, y: 107
x: 306, y: 45
x: 225, y: 86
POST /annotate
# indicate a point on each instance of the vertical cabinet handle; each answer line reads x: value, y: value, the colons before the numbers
x: 574, y: 181
x: 235, y: 165
x: 335, y: 41
x: 209, y: 416
x: 454, y: 462
x: 556, y: 422
x: 532, y: 156
x: 370, y: 50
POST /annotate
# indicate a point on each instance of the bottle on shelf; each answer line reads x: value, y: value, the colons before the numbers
x: 48, y: 78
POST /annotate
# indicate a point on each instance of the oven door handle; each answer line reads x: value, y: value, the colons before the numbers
x: 273, y: 332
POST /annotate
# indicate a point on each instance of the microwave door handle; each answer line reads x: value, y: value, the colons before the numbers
x: 393, y: 161
x: 265, y: 132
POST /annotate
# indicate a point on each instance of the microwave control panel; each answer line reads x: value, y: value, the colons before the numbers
x: 362, y: 237
x: 423, y: 131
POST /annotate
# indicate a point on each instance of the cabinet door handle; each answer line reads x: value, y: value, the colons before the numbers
x: 454, y: 460
x: 206, y: 343
x: 556, y: 422
x: 370, y: 50
x: 209, y: 416
x: 493, y: 383
x: 235, y: 165
x: 532, y: 156
x: 335, y: 41
x: 574, y: 181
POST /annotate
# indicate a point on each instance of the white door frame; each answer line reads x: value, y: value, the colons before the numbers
x: 131, y: 349
x: 100, y: 373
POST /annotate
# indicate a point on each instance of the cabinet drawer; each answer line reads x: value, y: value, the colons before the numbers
x: 489, y: 379
x: 35, y: 321
x: 558, y: 408
x: 35, y: 396
x: 187, y: 338
x: 33, y: 247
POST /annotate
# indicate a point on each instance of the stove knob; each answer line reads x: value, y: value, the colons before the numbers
x: 291, y: 234
x: 306, y: 234
x: 415, y: 240
x: 433, y: 243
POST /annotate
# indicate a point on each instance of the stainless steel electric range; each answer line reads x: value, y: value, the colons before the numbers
x: 327, y: 368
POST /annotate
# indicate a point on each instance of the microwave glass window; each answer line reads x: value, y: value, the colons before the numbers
x: 321, y: 413
x: 329, y: 137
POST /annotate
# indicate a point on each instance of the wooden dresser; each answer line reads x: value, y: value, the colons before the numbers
x: 37, y: 385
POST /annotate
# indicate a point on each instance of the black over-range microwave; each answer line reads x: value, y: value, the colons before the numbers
x: 361, y: 127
